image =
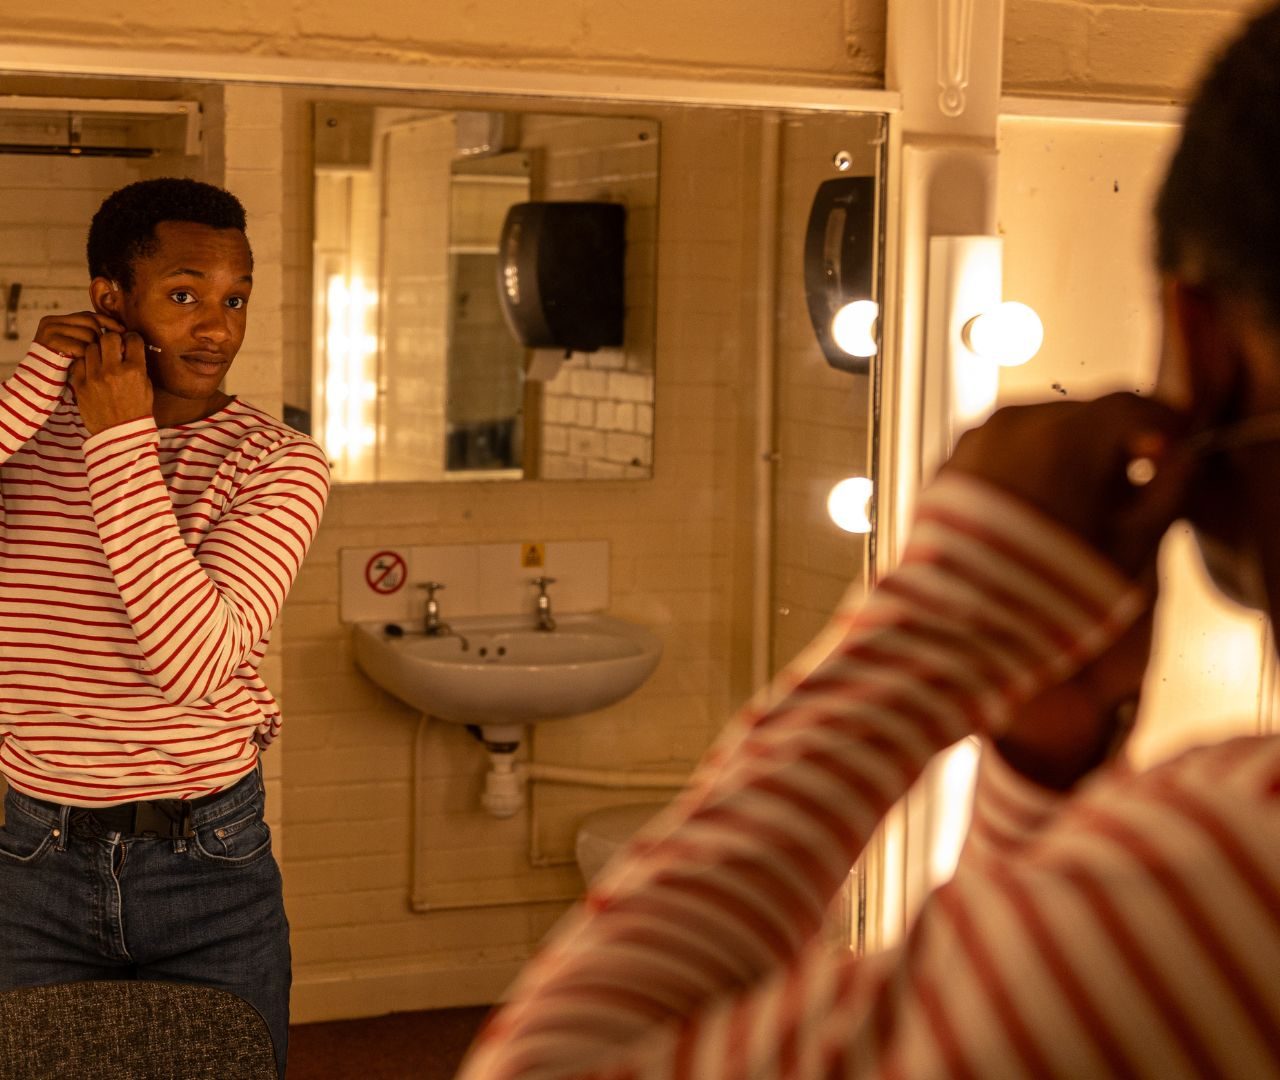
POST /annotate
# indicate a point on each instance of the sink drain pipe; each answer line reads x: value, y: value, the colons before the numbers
x: 504, y: 784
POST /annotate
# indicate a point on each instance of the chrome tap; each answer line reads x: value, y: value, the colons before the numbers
x: 545, y: 621
x: 432, y: 626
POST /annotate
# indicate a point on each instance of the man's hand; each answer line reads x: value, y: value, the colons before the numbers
x: 1074, y: 461
x: 70, y: 335
x: 1071, y: 460
x: 111, y: 383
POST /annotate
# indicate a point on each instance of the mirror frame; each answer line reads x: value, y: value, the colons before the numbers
x: 18, y: 59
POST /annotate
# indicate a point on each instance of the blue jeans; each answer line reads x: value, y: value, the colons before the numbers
x: 79, y: 901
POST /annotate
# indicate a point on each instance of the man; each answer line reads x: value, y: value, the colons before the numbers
x: 1101, y: 922
x: 151, y: 527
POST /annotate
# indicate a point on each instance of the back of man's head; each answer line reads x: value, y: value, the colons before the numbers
x: 124, y: 227
x: 1218, y: 215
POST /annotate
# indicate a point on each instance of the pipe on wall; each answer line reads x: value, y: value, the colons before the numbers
x: 602, y: 778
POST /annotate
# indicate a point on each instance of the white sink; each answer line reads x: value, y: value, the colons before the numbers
x: 509, y: 672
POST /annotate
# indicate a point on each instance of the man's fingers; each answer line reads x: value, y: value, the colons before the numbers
x: 111, y: 347
x: 117, y: 349
x: 69, y: 334
x: 91, y: 363
x: 135, y: 349
x: 1075, y: 461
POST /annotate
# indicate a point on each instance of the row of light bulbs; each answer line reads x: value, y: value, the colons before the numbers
x: 1008, y: 334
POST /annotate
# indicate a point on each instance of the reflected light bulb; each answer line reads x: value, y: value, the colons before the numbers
x: 1010, y: 333
x: 854, y: 327
x: 849, y: 504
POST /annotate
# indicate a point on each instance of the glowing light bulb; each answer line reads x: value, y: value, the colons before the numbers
x: 849, y: 504
x: 854, y: 327
x: 1010, y: 333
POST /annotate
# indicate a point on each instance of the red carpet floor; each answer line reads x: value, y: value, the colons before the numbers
x: 402, y: 1046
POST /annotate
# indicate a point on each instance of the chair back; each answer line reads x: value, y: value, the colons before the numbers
x: 132, y: 1030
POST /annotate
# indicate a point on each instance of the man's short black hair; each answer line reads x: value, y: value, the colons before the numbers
x: 124, y: 228
x: 1218, y: 214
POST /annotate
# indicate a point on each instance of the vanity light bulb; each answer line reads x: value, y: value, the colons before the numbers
x: 1010, y: 334
x: 849, y: 504
x: 854, y: 327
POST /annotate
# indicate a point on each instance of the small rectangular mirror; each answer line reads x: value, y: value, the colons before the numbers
x: 418, y: 374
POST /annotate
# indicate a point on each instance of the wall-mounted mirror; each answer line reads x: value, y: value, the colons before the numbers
x: 418, y: 373
x: 729, y: 543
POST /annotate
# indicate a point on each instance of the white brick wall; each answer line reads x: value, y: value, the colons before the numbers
x: 255, y: 174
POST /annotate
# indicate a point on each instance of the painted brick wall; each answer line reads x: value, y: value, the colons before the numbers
x: 834, y: 41
x: 1093, y: 48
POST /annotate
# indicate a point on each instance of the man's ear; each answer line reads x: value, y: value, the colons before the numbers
x: 107, y: 297
x: 1204, y: 362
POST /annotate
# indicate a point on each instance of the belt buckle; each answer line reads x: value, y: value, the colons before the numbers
x: 153, y: 817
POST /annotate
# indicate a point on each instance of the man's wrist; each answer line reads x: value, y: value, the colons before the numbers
x: 1060, y: 767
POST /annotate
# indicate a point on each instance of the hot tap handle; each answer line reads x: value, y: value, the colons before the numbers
x: 432, y: 587
x: 542, y: 583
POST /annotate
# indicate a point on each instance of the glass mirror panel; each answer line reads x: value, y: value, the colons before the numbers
x: 418, y: 372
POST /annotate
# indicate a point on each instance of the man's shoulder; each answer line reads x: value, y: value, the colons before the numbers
x: 244, y: 425
x: 1239, y: 770
x: 252, y: 440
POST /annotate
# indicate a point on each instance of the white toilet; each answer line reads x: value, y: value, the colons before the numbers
x: 603, y: 833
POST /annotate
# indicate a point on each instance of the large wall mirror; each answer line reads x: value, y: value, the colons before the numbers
x: 376, y: 215
x: 396, y: 351
x: 419, y: 372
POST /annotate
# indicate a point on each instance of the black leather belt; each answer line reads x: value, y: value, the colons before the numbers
x: 153, y: 817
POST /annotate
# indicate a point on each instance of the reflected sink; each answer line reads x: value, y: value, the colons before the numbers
x: 509, y: 672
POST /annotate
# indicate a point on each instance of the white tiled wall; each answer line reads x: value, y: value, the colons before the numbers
x: 381, y: 583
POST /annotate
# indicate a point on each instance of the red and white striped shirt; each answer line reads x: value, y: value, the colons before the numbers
x: 1131, y: 929
x: 140, y: 573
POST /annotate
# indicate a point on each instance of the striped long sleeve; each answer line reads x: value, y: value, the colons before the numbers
x: 140, y: 573
x: 1130, y: 930
x: 29, y: 396
x: 198, y: 613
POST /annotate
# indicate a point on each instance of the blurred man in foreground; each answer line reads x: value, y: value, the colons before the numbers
x: 1101, y: 922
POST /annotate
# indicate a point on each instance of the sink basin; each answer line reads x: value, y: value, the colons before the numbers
x: 502, y: 670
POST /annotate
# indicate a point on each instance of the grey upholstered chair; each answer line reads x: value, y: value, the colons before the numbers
x: 120, y: 1030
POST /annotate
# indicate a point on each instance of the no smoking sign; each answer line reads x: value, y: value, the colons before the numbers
x: 386, y: 572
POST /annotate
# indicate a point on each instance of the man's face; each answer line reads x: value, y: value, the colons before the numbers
x: 189, y: 302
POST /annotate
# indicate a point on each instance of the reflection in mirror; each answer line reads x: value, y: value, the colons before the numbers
x: 416, y: 373
x: 486, y: 401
